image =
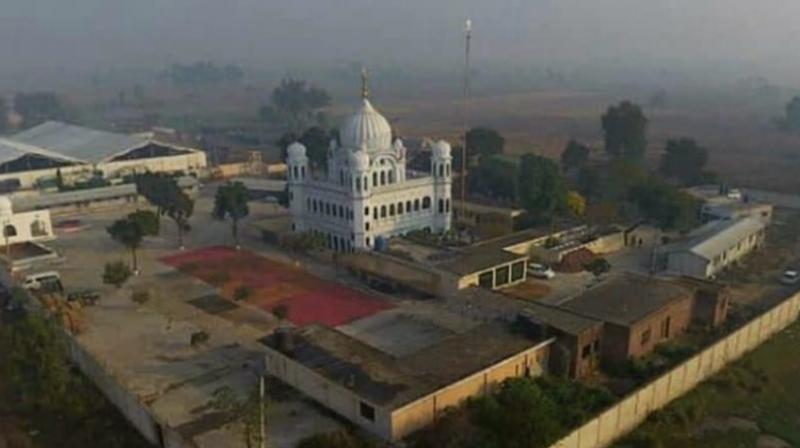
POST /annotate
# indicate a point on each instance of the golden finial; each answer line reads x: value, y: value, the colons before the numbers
x: 364, y: 83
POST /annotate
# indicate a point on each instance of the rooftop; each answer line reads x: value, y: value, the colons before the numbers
x: 715, y: 237
x: 562, y: 320
x: 77, y: 142
x: 626, y: 298
x: 476, y: 259
x: 395, y: 381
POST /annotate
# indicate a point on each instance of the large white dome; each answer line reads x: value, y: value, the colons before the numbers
x: 366, y: 128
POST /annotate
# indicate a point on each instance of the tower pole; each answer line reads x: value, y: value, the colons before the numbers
x: 464, y: 152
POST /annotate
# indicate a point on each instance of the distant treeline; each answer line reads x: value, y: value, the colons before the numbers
x: 203, y: 72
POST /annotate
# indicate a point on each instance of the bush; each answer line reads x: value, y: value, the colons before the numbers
x: 598, y: 266
x: 281, y: 312
x: 199, y: 337
x: 116, y: 273
x: 242, y: 292
x: 141, y: 297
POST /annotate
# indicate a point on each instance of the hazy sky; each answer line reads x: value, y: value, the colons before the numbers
x: 270, y: 33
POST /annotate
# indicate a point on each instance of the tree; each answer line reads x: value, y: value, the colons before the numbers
x: 542, y: 190
x: 684, y: 159
x: 231, y: 202
x: 625, y: 129
x: 484, y: 142
x: 116, y: 273
x: 179, y: 208
x: 576, y: 204
x: 164, y: 193
x: 146, y: 220
x: 130, y: 234
x: 37, y: 107
x: 598, y: 266
x: 665, y: 205
x: 296, y: 104
x: 519, y: 415
x: 495, y: 177
x: 316, y: 140
x: 574, y: 156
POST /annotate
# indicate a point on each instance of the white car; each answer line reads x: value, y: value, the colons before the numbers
x: 539, y: 270
x: 790, y: 277
x: 35, y: 281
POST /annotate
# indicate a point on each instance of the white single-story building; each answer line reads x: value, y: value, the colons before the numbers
x: 23, y: 227
x: 38, y: 154
x: 714, y: 246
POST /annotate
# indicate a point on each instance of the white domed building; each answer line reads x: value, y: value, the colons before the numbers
x: 367, y: 195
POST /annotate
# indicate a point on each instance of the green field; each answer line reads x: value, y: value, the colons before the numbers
x: 753, y: 403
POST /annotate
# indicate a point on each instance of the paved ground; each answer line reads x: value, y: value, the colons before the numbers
x: 147, y: 347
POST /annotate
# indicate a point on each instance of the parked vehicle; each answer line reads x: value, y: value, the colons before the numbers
x: 539, y: 270
x: 35, y: 281
x: 790, y: 277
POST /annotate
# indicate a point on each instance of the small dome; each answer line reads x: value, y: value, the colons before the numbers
x: 441, y: 150
x: 359, y: 160
x: 366, y: 127
x: 6, y: 209
x: 296, y: 151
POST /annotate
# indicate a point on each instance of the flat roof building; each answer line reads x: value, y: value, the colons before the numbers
x: 392, y: 396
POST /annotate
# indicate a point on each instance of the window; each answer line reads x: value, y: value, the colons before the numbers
x: 586, y: 351
x: 383, y: 211
x: 327, y: 209
x: 366, y: 226
x: 358, y: 184
x: 38, y: 228
x: 486, y: 280
x: 517, y: 271
x: 341, y: 211
x: 314, y: 205
x: 416, y: 205
x: 501, y: 278
x: 391, y: 177
x: 375, y: 213
x: 303, y: 172
x: 391, y: 209
x: 367, y: 241
x: 665, y: 327
x: 366, y: 211
x: 441, y: 170
x: 447, y: 169
x: 374, y: 179
x: 400, y: 208
x: 441, y: 206
x: 447, y: 205
x: 383, y: 177
x: 366, y: 184
x: 645, y: 336
x: 367, y: 411
x: 294, y: 170
x: 408, y: 206
x: 426, y: 203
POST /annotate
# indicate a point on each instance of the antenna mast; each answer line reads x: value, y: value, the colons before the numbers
x: 467, y: 38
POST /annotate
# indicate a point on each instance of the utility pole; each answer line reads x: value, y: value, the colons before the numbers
x: 464, y: 153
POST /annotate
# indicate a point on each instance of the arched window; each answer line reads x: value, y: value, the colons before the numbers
x: 383, y: 177
x: 9, y: 231
x: 391, y: 209
x: 358, y: 184
x: 391, y: 177
x: 303, y: 172
x: 341, y: 211
x: 375, y: 213
x: 294, y: 170
x: 416, y: 205
x: 366, y: 211
x: 426, y: 202
x: 441, y: 206
x: 374, y: 179
x: 366, y: 186
x: 447, y: 169
x: 383, y: 211
x: 441, y: 170
x: 447, y: 205
x: 400, y: 208
x: 38, y: 228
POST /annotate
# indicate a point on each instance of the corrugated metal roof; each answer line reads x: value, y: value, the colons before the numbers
x: 12, y: 150
x: 86, y: 144
x: 716, y: 237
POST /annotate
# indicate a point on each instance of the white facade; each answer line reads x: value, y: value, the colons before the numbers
x: 367, y: 195
x: 23, y: 227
